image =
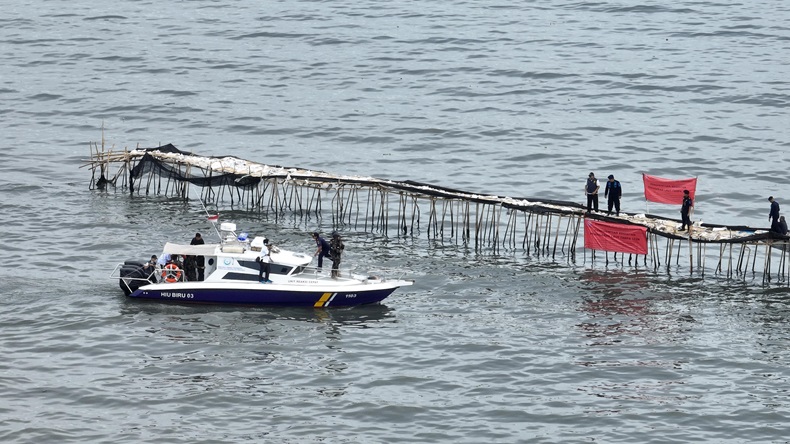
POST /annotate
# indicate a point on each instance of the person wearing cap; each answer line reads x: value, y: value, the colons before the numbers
x: 685, y: 210
x: 336, y: 248
x: 322, y: 249
x: 591, y: 190
x: 613, y: 193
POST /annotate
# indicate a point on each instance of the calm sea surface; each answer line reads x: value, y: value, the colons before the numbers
x: 520, y: 99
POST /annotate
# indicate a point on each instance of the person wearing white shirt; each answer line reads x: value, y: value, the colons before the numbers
x: 263, y: 262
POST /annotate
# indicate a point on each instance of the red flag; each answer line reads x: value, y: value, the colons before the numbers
x: 620, y: 238
x: 213, y: 218
x: 658, y: 189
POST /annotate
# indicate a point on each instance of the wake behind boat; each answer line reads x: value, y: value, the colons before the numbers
x: 231, y: 277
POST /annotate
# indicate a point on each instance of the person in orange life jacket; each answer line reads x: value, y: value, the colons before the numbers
x: 591, y: 190
x: 685, y: 209
x: 263, y: 263
x: 773, y: 216
x: 322, y: 250
x: 613, y: 192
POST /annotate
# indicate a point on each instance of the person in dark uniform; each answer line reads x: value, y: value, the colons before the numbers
x: 613, y: 192
x: 190, y: 268
x: 200, y: 261
x: 773, y: 216
x: 591, y: 190
x: 336, y: 248
x: 685, y: 210
x: 782, y: 226
x: 149, y: 269
x: 322, y: 249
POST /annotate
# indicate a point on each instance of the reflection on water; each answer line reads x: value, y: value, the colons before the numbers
x: 246, y: 351
x: 630, y: 322
x: 622, y: 305
x: 241, y: 324
x: 365, y: 316
x: 352, y: 315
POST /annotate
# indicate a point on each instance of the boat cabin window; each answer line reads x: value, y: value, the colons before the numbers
x: 273, y: 268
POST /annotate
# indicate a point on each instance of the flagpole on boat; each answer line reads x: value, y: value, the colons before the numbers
x: 213, y: 218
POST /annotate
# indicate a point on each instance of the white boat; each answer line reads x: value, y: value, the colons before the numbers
x: 231, y: 277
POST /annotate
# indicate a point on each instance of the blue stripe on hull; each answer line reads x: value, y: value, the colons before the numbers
x: 267, y: 297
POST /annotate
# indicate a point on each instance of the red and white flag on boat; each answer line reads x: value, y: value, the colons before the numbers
x: 669, y: 191
x: 213, y: 218
x: 620, y: 238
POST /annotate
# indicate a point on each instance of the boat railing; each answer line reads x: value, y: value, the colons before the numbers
x: 353, y: 273
x: 126, y: 281
x: 116, y: 273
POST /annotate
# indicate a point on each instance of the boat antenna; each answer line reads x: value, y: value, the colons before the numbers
x: 213, y: 218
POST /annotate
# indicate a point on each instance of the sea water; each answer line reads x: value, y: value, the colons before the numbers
x: 512, y: 99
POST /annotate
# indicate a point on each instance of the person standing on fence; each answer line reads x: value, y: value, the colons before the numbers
x: 613, y: 193
x: 685, y: 211
x: 336, y: 248
x: 773, y: 216
x: 591, y: 190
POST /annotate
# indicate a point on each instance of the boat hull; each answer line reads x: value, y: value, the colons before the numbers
x: 267, y: 294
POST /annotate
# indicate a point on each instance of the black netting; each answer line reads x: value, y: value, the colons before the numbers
x: 150, y: 165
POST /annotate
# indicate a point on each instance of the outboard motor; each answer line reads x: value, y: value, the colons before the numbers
x: 136, y: 275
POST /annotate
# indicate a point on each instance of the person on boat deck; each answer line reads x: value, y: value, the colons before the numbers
x: 322, y: 249
x: 336, y: 248
x: 163, y: 260
x: 613, y: 192
x: 782, y: 226
x: 773, y: 216
x: 264, y: 263
x: 685, y: 209
x: 151, y: 264
x: 149, y: 268
x: 591, y: 190
x: 167, y: 258
x: 200, y: 261
x: 176, y: 259
x: 190, y: 268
